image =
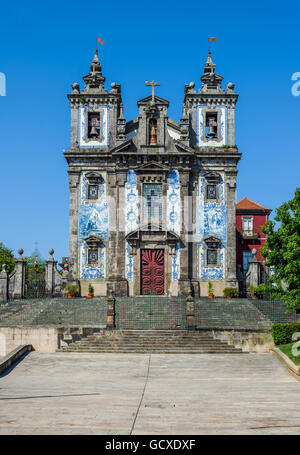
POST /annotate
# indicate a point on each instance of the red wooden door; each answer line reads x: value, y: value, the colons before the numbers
x: 152, y: 272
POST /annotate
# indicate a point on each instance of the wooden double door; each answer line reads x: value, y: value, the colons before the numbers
x: 152, y: 272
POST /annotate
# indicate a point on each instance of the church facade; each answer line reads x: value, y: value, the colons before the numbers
x: 152, y: 200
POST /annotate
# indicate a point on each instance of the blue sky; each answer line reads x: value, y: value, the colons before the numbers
x: 46, y: 46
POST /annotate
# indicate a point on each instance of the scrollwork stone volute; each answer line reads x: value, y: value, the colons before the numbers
x: 73, y: 180
x: 231, y: 181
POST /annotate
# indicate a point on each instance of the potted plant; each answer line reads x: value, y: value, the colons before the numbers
x: 210, y: 290
x: 90, y: 291
x: 255, y: 292
x: 229, y: 293
x: 71, y: 291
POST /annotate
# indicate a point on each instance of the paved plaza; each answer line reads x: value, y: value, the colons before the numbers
x: 120, y: 394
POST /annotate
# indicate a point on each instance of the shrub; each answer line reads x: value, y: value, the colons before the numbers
x: 255, y: 291
x: 282, y: 333
x: 210, y: 288
x: 90, y: 289
x: 230, y: 292
x: 72, y: 290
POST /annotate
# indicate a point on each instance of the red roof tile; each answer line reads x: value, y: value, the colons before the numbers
x: 247, y: 204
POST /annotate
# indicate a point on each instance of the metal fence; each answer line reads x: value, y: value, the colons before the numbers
x: 54, y: 312
x: 150, y: 312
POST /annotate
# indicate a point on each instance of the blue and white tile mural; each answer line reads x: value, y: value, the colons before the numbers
x: 200, y: 127
x: 211, y: 219
x: 174, y: 217
x: 131, y: 217
x: 104, y: 141
x: 92, y: 220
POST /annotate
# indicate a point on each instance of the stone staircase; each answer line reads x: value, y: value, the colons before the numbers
x: 151, y: 341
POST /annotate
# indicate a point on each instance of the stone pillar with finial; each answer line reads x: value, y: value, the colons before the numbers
x: 111, y: 310
x: 20, y: 268
x: 190, y: 312
x: 253, y: 274
x: 49, y: 278
x: 3, y: 283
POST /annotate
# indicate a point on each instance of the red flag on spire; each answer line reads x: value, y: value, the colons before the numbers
x: 100, y: 40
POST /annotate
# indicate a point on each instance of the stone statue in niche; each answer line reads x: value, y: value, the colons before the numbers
x: 153, y: 131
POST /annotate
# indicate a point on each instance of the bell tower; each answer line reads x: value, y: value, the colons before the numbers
x: 97, y: 124
x: 208, y: 124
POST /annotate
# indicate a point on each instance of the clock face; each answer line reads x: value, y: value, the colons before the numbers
x: 93, y: 126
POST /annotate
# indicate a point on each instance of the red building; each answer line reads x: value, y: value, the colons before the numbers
x: 250, y: 216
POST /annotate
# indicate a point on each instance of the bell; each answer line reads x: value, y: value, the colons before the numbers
x: 211, y: 131
x: 94, y: 132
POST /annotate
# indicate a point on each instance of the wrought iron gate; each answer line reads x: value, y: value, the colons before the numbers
x: 35, y: 284
x: 150, y: 312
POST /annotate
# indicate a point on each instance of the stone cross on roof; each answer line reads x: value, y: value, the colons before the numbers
x: 153, y: 84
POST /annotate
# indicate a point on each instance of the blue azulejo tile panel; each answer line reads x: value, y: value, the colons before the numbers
x: 92, y: 273
x: 128, y: 263
x: 176, y: 263
x: 200, y: 126
x: 103, y: 141
x: 131, y: 216
x: 211, y: 220
x: 174, y: 216
x: 92, y: 220
x: 173, y: 202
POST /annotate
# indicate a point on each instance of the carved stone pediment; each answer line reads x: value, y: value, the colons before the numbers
x: 152, y: 234
x: 152, y: 166
x: 212, y: 177
x: 93, y: 177
x: 94, y: 241
x: 212, y: 241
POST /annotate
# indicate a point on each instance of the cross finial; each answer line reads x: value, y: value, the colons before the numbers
x: 153, y: 84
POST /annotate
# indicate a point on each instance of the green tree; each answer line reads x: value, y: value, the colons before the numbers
x: 282, y: 251
x: 6, y: 257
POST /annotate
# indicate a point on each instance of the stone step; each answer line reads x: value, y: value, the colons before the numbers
x: 147, y: 341
x: 158, y: 351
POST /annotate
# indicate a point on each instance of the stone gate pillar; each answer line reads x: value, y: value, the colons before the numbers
x: 3, y: 283
x: 20, y: 269
x: 190, y: 312
x: 253, y: 274
x: 50, y: 280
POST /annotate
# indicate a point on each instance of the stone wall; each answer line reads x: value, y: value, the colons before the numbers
x: 260, y: 342
x: 42, y: 338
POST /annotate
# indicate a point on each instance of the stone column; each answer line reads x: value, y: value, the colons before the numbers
x: 20, y: 268
x: 111, y: 310
x: 74, y: 178
x: 190, y: 312
x: 184, y: 284
x: 231, y: 230
x: 74, y: 125
x: 116, y: 279
x: 50, y: 266
x: 194, y: 266
x: 3, y: 283
x: 231, y: 124
x: 253, y: 274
